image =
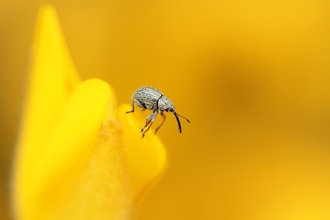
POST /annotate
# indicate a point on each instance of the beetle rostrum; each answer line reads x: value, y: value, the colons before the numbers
x: 149, y: 98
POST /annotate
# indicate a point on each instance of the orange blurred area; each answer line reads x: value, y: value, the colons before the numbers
x: 252, y: 77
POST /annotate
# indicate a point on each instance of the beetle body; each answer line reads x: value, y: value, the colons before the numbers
x: 149, y: 98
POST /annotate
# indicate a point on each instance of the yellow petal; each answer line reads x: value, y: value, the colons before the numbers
x: 57, y: 134
x: 83, y: 169
x: 71, y: 162
x: 52, y: 76
x: 101, y: 191
x: 146, y: 156
x: 73, y: 137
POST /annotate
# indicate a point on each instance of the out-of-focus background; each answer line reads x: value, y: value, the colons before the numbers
x: 252, y: 76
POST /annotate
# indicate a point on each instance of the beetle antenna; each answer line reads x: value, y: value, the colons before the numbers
x: 178, y: 120
x: 183, y: 117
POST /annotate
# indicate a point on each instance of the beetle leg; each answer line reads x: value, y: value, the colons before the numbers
x: 151, y: 121
x: 164, y: 117
x: 132, y: 108
x: 148, y: 120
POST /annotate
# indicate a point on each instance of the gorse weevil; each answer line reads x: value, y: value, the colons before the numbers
x: 149, y: 98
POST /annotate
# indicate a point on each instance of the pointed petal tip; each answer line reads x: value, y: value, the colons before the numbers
x: 46, y: 13
x: 47, y: 8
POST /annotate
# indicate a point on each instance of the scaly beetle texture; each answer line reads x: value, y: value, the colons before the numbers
x: 149, y: 98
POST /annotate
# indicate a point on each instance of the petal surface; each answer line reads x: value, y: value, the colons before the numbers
x: 68, y: 139
x: 147, y: 156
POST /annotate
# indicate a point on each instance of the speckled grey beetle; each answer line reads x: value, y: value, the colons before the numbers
x: 152, y: 99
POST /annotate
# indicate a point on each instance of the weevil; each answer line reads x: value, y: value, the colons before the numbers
x: 149, y: 98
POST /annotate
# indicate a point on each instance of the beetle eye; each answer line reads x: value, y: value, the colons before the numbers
x: 170, y: 109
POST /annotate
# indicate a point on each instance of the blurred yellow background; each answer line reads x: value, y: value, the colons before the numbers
x: 252, y: 76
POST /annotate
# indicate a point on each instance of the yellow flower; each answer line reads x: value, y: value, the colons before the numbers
x: 253, y: 77
x: 78, y: 155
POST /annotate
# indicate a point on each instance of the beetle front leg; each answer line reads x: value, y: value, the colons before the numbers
x: 150, y: 120
x: 132, y: 108
x: 164, y: 117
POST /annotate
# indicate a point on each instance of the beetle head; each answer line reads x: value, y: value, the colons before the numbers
x: 171, y: 109
x: 164, y: 104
